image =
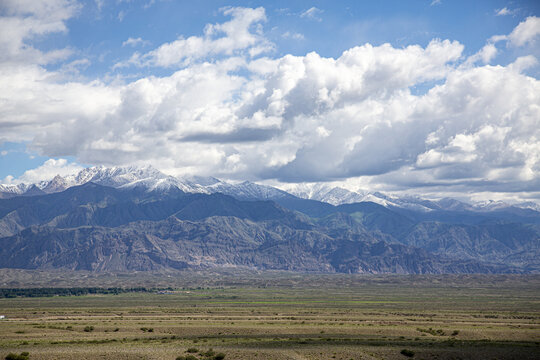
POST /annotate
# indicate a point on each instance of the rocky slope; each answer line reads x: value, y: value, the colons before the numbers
x: 95, y: 227
x: 139, y: 218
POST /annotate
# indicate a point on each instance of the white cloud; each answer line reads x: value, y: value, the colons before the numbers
x: 219, y: 39
x: 436, y: 2
x: 75, y: 66
x: 504, y: 11
x: 23, y: 20
x: 292, y: 35
x: 135, y: 42
x: 312, y: 13
x: 47, y: 171
x: 486, y: 54
x: 527, y: 31
x: 295, y: 118
x: 523, y: 63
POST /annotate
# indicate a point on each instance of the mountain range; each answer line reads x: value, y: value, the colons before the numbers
x: 131, y: 218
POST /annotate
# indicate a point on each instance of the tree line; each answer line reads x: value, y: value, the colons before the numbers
x: 74, y: 291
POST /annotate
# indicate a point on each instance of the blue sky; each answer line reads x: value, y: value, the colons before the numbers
x: 101, y: 27
x: 433, y: 97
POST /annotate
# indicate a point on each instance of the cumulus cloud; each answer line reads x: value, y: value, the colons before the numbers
x: 476, y: 127
x: 47, y: 171
x: 21, y: 21
x: 526, y: 32
x: 486, y: 54
x: 240, y: 33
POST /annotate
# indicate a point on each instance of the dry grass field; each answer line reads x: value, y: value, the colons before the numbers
x: 276, y: 316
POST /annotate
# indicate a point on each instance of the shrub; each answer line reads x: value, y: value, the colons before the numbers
x: 219, y: 356
x: 23, y: 356
x: 209, y: 353
x: 192, y: 350
x: 408, y: 353
x: 88, y: 328
x: 455, y: 332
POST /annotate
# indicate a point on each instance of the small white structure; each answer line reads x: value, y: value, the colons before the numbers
x: 2, y: 317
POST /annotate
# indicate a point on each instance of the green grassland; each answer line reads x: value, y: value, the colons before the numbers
x: 275, y: 315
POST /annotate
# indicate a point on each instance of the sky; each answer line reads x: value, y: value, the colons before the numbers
x: 436, y: 98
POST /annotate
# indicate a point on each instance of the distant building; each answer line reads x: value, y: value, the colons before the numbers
x: 2, y: 317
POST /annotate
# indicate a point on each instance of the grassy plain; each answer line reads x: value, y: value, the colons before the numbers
x: 276, y: 316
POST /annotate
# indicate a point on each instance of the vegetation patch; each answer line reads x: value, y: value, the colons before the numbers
x: 22, y: 356
x: 407, y: 353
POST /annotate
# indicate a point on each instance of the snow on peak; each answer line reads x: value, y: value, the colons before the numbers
x: 248, y: 190
x: 153, y: 180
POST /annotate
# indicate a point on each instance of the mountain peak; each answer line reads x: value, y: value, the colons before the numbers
x: 58, y: 183
x: 148, y: 178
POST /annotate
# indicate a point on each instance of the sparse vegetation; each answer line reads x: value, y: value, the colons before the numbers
x: 434, y: 332
x: 407, y: 353
x: 318, y: 317
x: 22, y: 356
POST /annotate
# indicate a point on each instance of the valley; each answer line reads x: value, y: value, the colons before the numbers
x: 277, y: 315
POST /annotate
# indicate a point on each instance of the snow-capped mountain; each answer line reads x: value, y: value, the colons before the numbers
x: 248, y: 191
x: 152, y: 180
x: 338, y: 196
x: 8, y: 190
x: 325, y: 193
x: 147, y: 178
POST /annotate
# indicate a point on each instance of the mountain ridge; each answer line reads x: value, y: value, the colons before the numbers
x: 141, y: 219
x: 101, y: 228
x: 153, y: 180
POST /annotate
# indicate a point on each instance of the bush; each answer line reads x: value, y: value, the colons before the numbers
x: 192, y: 350
x: 88, y: 328
x: 209, y: 353
x: 219, y: 356
x: 23, y: 356
x: 408, y: 353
